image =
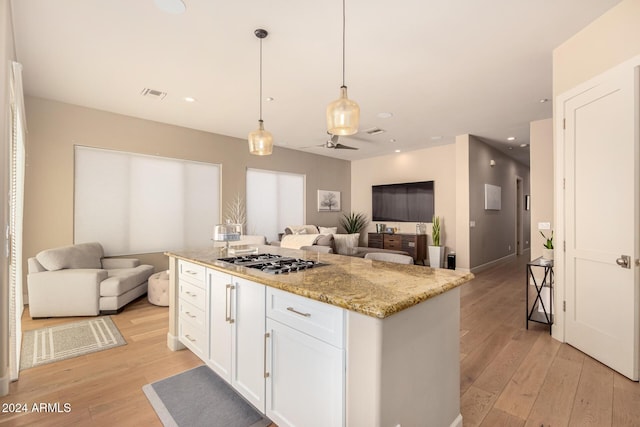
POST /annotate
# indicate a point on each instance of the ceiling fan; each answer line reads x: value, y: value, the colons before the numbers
x: 333, y: 143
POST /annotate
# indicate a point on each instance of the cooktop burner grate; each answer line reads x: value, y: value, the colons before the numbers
x: 272, y: 264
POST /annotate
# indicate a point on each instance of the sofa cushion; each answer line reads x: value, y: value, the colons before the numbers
x: 345, y: 243
x: 83, y: 255
x: 122, y: 280
x: 301, y: 229
x: 327, y: 240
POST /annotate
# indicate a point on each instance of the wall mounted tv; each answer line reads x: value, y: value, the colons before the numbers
x: 408, y: 202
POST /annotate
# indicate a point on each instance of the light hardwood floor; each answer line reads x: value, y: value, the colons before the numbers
x: 510, y: 376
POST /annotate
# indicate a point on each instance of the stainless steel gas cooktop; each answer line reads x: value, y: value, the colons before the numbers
x: 273, y: 264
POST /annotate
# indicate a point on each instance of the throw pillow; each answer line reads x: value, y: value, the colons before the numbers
x: 328, y: 230
x: 346, y: 242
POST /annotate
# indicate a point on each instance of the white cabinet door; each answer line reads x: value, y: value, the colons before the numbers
x: 248, y: 341
x: 305, y: 386
x: 220, y: 290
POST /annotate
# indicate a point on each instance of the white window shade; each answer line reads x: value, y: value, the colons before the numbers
x: 275, y: 200
x: 134, y: 204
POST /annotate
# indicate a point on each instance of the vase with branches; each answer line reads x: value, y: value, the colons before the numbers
x: 236, y: 212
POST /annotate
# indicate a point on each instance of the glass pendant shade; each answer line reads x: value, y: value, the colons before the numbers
x: 343, y: 115
x: 260, y: 141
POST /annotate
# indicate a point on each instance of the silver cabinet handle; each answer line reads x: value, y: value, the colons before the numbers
x: 189, y: 338
x: 227, y: 304
x: 298, y: 312
x: 266, y: 337
x: 190, y: 294
x: 191, y: 272
x: 189, y: 314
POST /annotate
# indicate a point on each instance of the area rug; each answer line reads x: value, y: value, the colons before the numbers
x: 199, y: 397
x: 54, y: 343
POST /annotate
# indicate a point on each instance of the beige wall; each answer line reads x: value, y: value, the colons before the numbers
x: 609, y: 40
x: 7, y: 53
x: 542, y: 181
x: 54, y: 129
x: 462, y: 202
x: 494, y: 234
x: 436, y: 164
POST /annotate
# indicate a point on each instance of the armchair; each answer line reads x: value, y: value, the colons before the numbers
x: 78, y: 281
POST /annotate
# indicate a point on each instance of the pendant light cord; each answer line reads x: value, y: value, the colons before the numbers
x: 343, y: 39
x: 260, y: 79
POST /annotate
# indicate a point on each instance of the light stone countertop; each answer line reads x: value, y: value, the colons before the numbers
x: 374, y: 288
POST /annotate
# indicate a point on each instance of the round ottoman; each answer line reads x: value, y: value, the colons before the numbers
x: 158, y: 290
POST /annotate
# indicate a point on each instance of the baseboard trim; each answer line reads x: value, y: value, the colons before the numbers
x: 173, y: 342
x: 490, y: 264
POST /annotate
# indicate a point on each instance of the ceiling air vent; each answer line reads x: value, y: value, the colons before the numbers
x: 152, y: 93
x: 375, y: 131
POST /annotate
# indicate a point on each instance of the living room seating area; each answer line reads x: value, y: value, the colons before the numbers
x: 78, y: 280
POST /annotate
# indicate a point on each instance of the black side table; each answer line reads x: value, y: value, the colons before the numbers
x: 545, y: 315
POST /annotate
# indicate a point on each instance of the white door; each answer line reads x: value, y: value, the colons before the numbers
x: 601, y: 219
x: 248, y: 341
x: 220, y: 289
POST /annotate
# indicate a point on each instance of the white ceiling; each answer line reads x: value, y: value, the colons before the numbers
x: 442, y: 67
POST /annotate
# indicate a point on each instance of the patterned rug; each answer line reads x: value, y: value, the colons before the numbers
x: 54, y: 343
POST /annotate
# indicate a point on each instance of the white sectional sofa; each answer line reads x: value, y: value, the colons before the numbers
x: 77, y: 280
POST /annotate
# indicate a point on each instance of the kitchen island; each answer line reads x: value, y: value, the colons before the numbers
x: 349, y: 342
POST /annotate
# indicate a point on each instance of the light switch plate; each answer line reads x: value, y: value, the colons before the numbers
x: 472, y: 224
x: 544, y: 226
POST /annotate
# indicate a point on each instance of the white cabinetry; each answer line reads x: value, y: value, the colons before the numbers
x: 192, y: 303
x: 236, y: 336
x: 220, y: 322
x: 248, y: 341
x: 305, y: 360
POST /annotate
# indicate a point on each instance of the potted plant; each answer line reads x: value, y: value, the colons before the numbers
x: 354, y: 222
x: 547, y: 251
x: 436, y: 251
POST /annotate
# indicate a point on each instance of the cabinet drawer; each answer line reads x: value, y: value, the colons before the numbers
x: 192, y: 314
x: 193, y: 273
x: 193, y: 295
x: 392, y: 242
x: 375, y: 240
x: 193, y: 337
x: 320, y: 320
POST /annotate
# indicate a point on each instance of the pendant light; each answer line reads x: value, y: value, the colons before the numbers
x: 343, y: 114
x: 260, y: 140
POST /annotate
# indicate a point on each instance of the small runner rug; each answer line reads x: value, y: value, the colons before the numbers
x: 54, y: 343
x: 199, y: 397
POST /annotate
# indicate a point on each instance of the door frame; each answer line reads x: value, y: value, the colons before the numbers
x: 559, y: 289
x: 519, y: 246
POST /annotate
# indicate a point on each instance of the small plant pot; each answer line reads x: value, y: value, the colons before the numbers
x: 436, y: 256
x: 547, y: 254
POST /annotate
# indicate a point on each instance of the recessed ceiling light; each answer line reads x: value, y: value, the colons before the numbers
x: 171, y: 6
x: 392, y: 140
x: 510, y: 148
x: 189, y: 99
x: 436, y: 138
x: 269, y: 98
x: 385, y: 115
x: 511, y: 138
x: 543, y: 100
x: 524, y: 145
x: 397, y: 151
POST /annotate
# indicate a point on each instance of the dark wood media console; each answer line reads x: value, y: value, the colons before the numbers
x: 414, y: 244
